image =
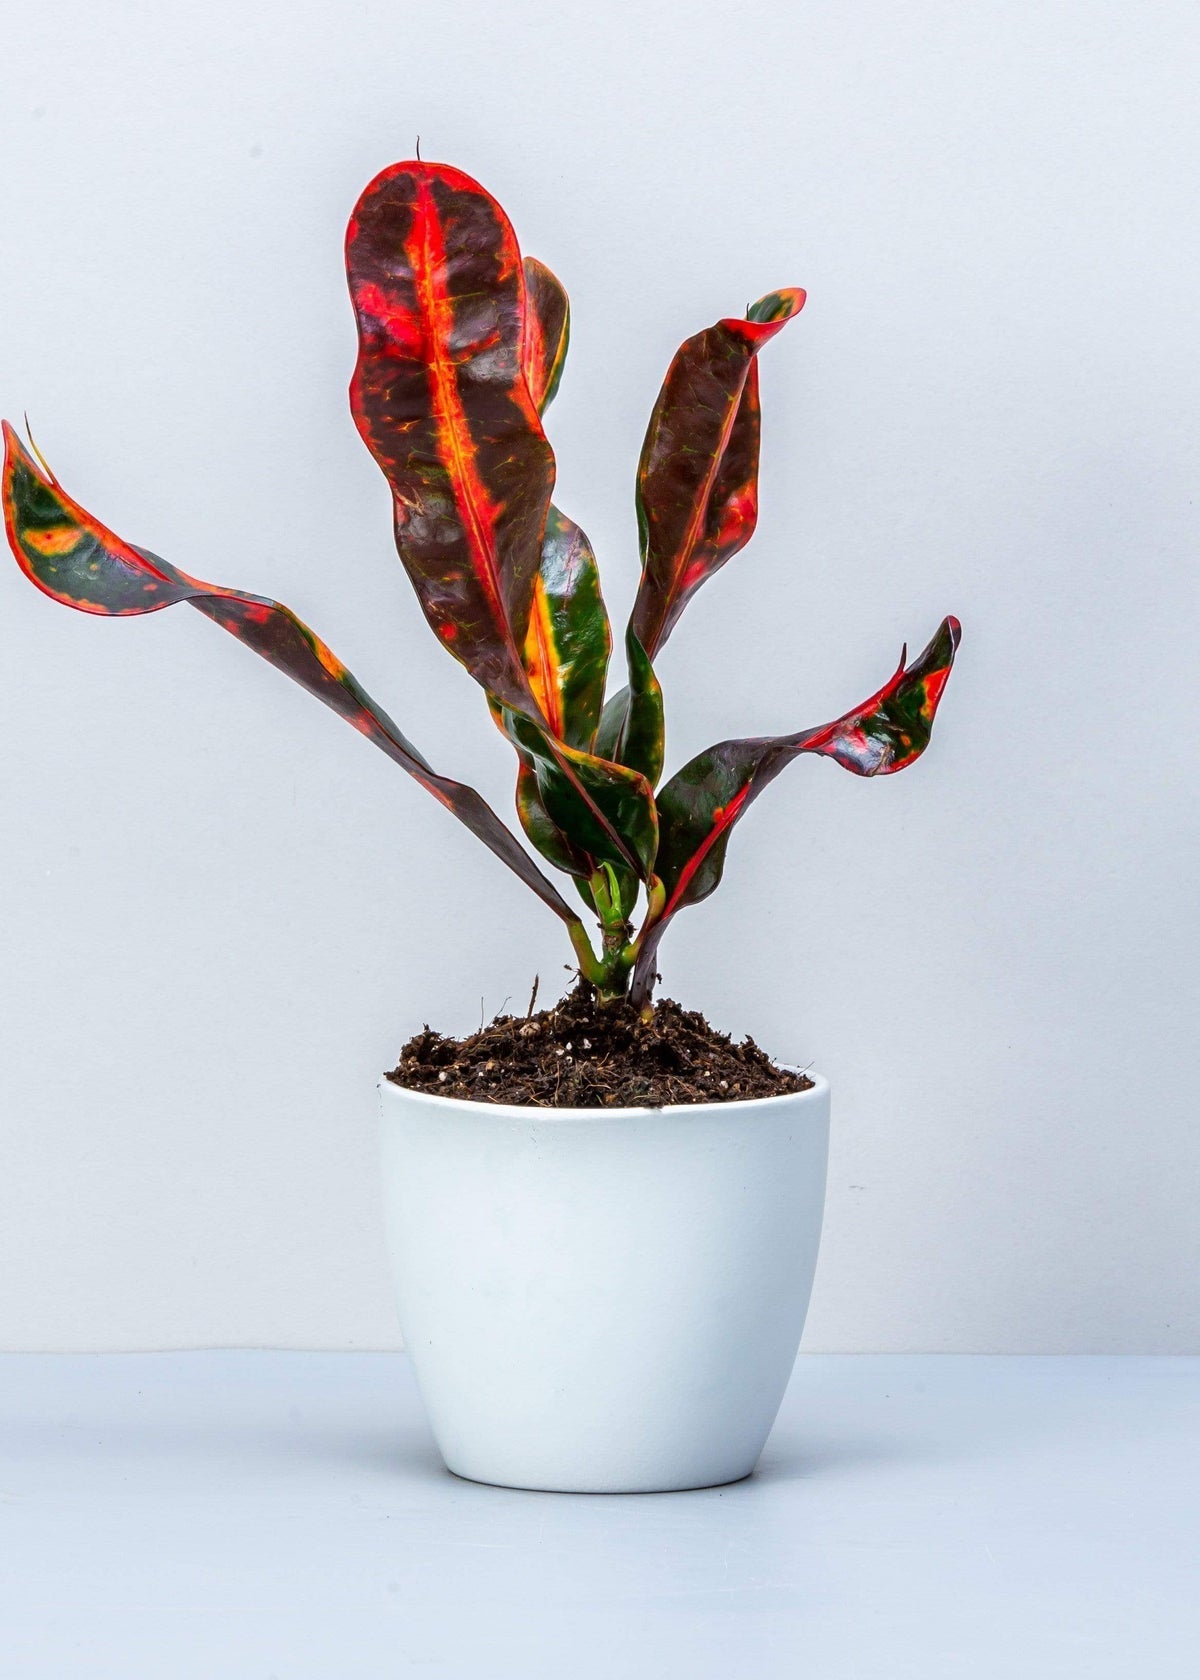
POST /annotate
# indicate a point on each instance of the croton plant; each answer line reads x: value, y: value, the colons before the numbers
x: 461, y: 348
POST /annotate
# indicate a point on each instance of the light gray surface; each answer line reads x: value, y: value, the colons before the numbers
x: 282, y: 1516
x: 223, y: 912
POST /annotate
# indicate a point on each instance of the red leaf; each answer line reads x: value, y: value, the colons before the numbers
x: 75, y: 559
x: 440, y: 397
x: 547, y: 332
x: 701, y: 803
x: 698, y: 475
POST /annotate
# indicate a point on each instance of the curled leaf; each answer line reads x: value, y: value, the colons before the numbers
x: 697, y: 491
x: 547, y: 332
x: 701, y: 803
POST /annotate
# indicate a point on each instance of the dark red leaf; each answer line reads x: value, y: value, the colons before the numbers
x: 698, y: 475
x: 440, y: 397
x: 75, y: 559
x: 699, y: 806
x: 547, y: 332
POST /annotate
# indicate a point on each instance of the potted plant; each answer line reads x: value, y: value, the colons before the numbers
x: 603, y: 1235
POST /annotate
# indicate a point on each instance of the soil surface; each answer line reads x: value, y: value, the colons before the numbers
x: 581, y: 1054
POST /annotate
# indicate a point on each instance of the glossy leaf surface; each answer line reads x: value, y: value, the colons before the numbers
x: 461, y: 348
x: 632, y: 729
x: 75, y: 559
x: 559, y: 848
x: 608, y: 811
x: 697, y: 491
x: 547, y: 332
x: 440, y: 397
x: 568, y: 640
x: 555, y: 846
x: 699, y: 806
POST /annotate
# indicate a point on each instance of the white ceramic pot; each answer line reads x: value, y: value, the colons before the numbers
x: 603, y: 1300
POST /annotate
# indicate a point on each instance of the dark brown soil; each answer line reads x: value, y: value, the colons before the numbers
x: 582, y: 1054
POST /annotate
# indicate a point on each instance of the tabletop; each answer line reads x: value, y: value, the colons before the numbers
x: 284, y: 1516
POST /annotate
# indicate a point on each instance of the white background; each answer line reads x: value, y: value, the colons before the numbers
x: 222, y: 912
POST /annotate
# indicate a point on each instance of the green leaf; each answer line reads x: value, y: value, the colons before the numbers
x: 543, y: 832
x: 631, y: 726
x: 568, y: 641
x: 606, y: 811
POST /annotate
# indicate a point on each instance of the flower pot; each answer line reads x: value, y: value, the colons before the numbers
x: 603, y: 1300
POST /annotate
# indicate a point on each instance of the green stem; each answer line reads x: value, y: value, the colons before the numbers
x: 590, y: 965
x: 617, y: 956
x: 610, y: 971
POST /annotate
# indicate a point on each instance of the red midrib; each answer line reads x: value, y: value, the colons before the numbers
x: 427, y: 256
x: 691, y: 535
x: 723, y: 818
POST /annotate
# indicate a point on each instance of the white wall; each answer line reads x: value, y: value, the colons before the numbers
x: 222, y: 912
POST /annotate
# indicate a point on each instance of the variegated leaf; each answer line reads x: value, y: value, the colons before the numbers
x: 631, y: 726
x: 75, y: 559
x: 698, y: 475
x: 568, y: 641
x: 699, y: 806
x: 440, y: 397
x: 547, y: 332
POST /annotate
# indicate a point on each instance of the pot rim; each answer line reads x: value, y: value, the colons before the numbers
x: 819, y: 1088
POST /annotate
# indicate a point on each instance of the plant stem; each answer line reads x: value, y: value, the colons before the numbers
x: 590, y: 966
x: 610, y: 971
